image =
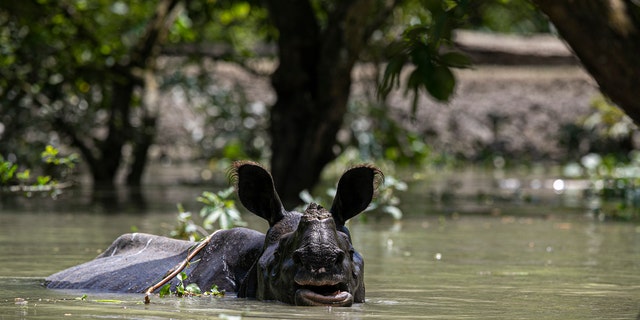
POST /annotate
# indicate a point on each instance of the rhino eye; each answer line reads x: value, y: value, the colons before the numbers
x: 345, y: 236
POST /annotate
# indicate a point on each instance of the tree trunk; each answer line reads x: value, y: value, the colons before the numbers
x: 105, y: 157
x: 142, y: 143
x: 109, y: 155
x: 144, y: 57
x: 294, y: 81
x: 605, y: 35
x: 313, y: 82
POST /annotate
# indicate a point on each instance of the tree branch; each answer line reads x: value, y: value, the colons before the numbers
x: 177, y: 269
x: 156, y: 31
x: 67, y: 129
x: 605, y: 35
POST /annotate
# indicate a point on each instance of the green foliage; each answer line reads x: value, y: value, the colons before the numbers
x: 217, y: 208
x: 242, y: 25
x: 607, y: 120
x: 50, y: 155
x: 214, y: 291
x: 61, y: 63
x: 609, y: 160
x: 64, y: 68
x: 376, y: 135
x: 59, y: 54
x: 186, y: 227
x: 605, y: 130
x: 614, y: 190
x: 421, y: 45
x: 7, y: 171
x: 13, y: 180
x: 233, y: 127
x: 192, y: 289
x: 506, y: 16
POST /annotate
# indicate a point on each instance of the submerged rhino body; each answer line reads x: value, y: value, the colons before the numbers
x: 304, y: 258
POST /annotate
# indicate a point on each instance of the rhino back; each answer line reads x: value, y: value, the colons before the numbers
x: 132, y: 263
x: 227, y: 259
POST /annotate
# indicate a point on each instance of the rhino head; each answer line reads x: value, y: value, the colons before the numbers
x: 307, y: 258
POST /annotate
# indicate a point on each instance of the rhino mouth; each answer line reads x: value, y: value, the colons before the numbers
x: 328, y: 295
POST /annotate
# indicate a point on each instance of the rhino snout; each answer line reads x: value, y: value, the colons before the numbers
x: 318, y: 262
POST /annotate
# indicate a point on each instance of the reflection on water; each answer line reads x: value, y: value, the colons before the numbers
x: 526, y: 260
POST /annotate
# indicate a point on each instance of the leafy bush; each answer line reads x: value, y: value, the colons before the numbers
x: 217, y: 208
x: 55, y: 167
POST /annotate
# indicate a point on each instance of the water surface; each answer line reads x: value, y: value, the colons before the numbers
x: 505, y: 261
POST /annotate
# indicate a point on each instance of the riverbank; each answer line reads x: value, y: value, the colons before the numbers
x: 521, y: 112
x: 524, y: 99
x: 517, y: 111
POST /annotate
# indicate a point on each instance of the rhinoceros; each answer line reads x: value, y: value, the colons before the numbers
x: 305, y: 258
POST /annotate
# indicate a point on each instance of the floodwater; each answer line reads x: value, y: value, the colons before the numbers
x: 453, y: 259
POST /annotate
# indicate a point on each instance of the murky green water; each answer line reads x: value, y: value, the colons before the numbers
x: 524, y: 262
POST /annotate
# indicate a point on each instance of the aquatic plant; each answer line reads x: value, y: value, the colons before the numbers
x: 218, y: 209
x: 614, y: 184
x: 54, y: 167
x: 191, y: 289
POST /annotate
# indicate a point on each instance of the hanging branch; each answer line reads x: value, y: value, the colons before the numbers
x: 177, y: 269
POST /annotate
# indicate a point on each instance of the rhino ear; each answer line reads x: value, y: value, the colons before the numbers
x: 256, y: 191
x: 355, y: 191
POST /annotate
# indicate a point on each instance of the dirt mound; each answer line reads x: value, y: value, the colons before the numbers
x: 516, y: 111
x: 517, y: 101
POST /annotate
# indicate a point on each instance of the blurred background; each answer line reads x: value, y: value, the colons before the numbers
x: 506, y: 130
x: 122, y: 94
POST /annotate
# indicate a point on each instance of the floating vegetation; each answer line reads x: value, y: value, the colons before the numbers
x: 176, y: 272
x: 192, y: 289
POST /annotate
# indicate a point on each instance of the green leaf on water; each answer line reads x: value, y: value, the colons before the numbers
x: 193, y: 288
x: 165, y: 290
x: 215, y: 292
x: 180, y: 290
